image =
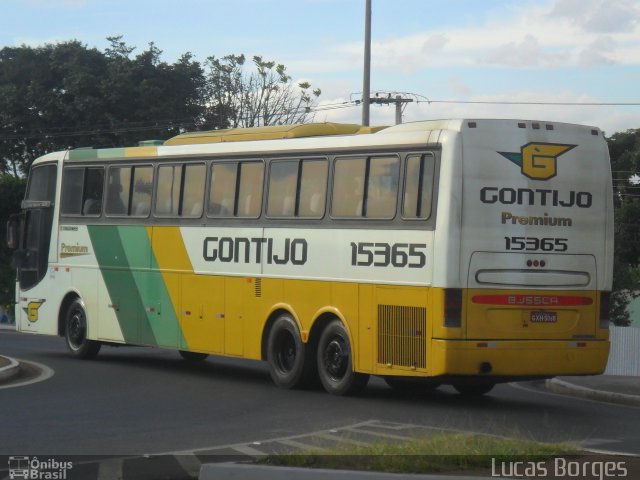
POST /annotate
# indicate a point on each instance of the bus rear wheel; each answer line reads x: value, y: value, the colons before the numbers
x: 286, y: 353
x: 193, y: 357
x: 75, y: 332
x: 335, y: 362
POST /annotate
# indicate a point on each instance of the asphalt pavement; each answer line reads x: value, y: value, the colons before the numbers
x: 609, y: 388
x: 616, y: 389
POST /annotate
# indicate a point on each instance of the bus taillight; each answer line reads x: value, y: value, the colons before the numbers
x: 453, y: 307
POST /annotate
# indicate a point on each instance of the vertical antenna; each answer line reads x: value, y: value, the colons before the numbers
x: 366, y: 87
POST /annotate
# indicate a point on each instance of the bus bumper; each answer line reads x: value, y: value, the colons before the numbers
x: 519, y: 358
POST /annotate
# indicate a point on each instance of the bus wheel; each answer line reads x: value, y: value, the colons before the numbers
x: 193, y: 357
x: 473, y: 389
x: 335, y: 364
x: 75, y: 332
x: 286, y: 353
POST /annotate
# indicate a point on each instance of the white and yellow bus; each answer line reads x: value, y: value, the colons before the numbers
x: 464, y: 252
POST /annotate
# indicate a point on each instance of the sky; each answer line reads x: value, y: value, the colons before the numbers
x: 558, y: 51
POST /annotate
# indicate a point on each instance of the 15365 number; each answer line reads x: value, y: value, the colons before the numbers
x: 534, y: 244
x: 399, y: 255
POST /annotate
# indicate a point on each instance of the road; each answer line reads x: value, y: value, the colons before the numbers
x: 132, y: 401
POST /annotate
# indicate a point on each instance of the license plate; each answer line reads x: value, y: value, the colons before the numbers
x: 543, y: 317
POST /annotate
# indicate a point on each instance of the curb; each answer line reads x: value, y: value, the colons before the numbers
x: 239, y: 471
x: 9, y: 371
x: 559, y: 386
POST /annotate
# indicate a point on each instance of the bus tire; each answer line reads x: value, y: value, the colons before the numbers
x: 335, y: 362
x: 75, y: 332
x: 193, y: 357
x: 473, y: 389
x: 286, y: 353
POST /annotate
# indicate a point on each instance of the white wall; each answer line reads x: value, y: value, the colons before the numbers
x: 624, y: 358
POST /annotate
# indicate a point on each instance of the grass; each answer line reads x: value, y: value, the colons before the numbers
x: 438, y: 453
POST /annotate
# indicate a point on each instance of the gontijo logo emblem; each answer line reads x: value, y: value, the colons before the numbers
x: 32, y: 310
x: 538, y: 160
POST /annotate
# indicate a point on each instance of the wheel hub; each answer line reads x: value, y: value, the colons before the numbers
x: 336, y: 358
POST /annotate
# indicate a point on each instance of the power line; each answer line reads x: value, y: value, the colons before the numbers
x: 563, y: 104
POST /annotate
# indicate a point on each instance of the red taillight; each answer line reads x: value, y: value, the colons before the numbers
x: 453, y: 307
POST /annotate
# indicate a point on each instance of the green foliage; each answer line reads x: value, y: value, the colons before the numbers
x: 67, y: 95
x: 265, y: 95
x: 624, y: 148
x: 11, y: 194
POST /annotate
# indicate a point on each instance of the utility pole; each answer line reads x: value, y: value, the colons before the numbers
x: 398, y: 100
x: 366, y: 82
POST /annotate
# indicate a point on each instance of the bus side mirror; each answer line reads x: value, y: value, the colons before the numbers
x: 12, y: 233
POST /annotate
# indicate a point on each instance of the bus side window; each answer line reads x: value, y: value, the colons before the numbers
x: 348, y: 187
x: 93, y: 187
x: 142, y: 187
x: 118, y: 189
x: 193, y: 190
x: 297, y: 188
x: 418, y: 189
x: 283, y: 179
x: 72, y: 187
x: 250, y: 189
x: 168, y: 191
x: 82, y: 191
x: 236, y: 189
x: 382, y: 187
x: 222, y: 194
x: 313, y: 188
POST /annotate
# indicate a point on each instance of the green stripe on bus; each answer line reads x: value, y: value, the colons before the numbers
x: 111, y: 153
x: 158, y: 308
x: 121, y: 283
x: 83, y: 154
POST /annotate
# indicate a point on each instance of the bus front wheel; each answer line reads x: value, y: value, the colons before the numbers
x: 75, y: 332
x: 335, y: 362
x: 286, y: 353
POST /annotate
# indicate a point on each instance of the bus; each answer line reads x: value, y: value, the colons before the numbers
x: 465, y: 252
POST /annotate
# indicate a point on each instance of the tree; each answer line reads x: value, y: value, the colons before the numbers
x: 265, y: 96
x: 67, y: 95
x: 11, y: 194
x: 624, y: 148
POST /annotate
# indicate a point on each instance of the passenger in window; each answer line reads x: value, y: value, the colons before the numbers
x: 93, y: 196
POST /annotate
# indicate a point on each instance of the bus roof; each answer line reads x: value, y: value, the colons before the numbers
x: 271, y: 133
x: 304, y: 137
